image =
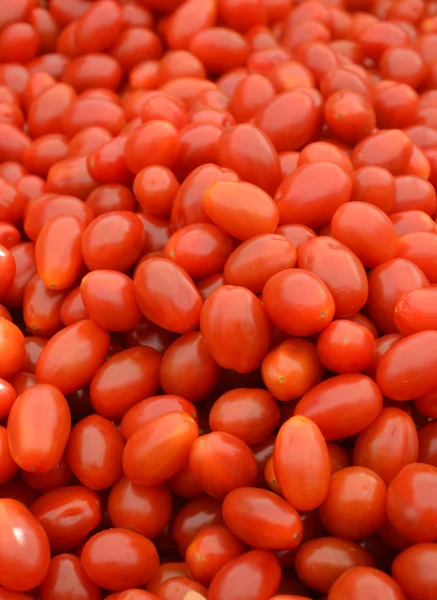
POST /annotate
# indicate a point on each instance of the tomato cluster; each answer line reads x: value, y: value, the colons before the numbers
x: 218, y: 299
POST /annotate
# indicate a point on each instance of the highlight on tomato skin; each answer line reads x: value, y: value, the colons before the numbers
x: 218, y: 309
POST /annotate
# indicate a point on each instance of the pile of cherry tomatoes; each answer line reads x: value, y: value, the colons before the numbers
x: 218, y: 299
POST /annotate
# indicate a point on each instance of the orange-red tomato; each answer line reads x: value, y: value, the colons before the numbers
x: 414, y: 311
x: 65, y: 576
x: 346, y: 347
x: 301, y: 463
x: 361, y: 581
x: 412, y: 570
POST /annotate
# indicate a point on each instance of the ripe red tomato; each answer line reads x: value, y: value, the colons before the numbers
x: 361, y: 582
x: 38, y: 428
x: 24, y: 547
x: 67, y: 576
x: 414, y: 311
x: 196, y: 515
x: 413, y: 572
x: 346, y: 347
x: 12, y: 348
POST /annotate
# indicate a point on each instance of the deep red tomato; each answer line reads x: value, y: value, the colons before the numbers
x: 364, y: 582
x: 414, y: 311
x: 145, y: 462
x: 65, y: 577
x: 137, y: 559
x: 195, y: 516
x: 412, y: 570
x: 245, y: 349
x: 177, y: 588
x: 8, y: 467
x: 390, y: 149
x: 67, y: 515
x: 12, y: 348
x: 346, y: 347
x: 262, y: 519
x: 419, y: 248
x: 342, y: 406
x: 24, y: 547
x: 221, y: 462
x: 38, y: 428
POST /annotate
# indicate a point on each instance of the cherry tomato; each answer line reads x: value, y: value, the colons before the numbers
x: 66, y: 576
x: 12, y: 348
x: 361, y: 582
x: 8, y: 467
x: 418, y: 247
x: 346, y: 347
x: 411, y: 570
x: 195, y: 516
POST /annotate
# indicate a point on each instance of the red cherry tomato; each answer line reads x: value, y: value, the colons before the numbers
x: 65, y: 576
x: 361, y: 581
x: 346, y: 347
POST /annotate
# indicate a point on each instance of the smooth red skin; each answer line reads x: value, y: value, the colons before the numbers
x: 392, y: 435
x: 419, y: 248
x: 243, y: 351
x: 140, y: 559
x: 207, y: 286
x: 298, y: 302
x: 320, y: 562
x: 201, y: 249
x: 154, y: 142
x: 155, y: 188
x: 145, y: 411
x: 220, y: 462
x: 98, y: 27
x: 414, y: 193
x: 188, y: 369
x: 12, y: 347
x: 220, y: 49
x: 367, y: 231
x: 166, y: 571
x: 60, y: 476
x: 250, y: 414
x: 411, y: 503
x: 110, y: 197
x: 47, y: 207
x: 291, y: 369
x: 9, y: 595
x: 73, y: 308
x: 251, y: 213
x: 414, y: 311
x: 68, y: 515
x: 8, y: 467
x: 94, y: 452
x: 360, y: 582
x: 90, y: 71
x: 12, y: 204
x: 107, y: 163
x: 149, y: 334
x: 157, y: 232
x: 427, y: 444
x: 34, y: 346
x: 374, y: 185
x: 144, y: 509
x: 387, y: 283
x: 71, y: 177
x: 350, y: 116
x: 253, y: 262
x: 124, y: 380
x: 427, y: 404
x: 44, y: 152
x: 262, y: 519
x: 210, y: 550
x: 43, y: 120
x: 42, y: 307
x: 390, y: 149
x: 295, y: 127
x: 406, y: 371
x: 7, y: 270
x: 324, y: 152
x: 296, y: 234
x: 9, y: 235
x: 346, y: 347
x: 299, y: 202
x: 252, y: 94
x: 145, y: 463
x: 340, y: 270
x: 189, y: 17
x: 66, y: 578
x: 355, y: 506
x: 195, y: 516
x: 113, y: 240
x: 188, y: 208
x: 176, y: 588
x: 57, y: 366
x: 38, y: 428
x: 24, y: 547
x: 342, y: 406
x: 301, y: 463
x: 412, y: 570
x: 167, y: 295
x: 184, y: 485
x: 258, y: 569
x: 249, y: 152
x: 412, y: 221
x: 87, y: 140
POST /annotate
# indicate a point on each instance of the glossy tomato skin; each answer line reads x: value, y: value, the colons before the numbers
x: 392, y: 435
x: 262, y: 519
x: 13, y: 348
x: 178, y: 587
x: 38, y: 428
x: 320, y: 562
x: 66, y: 576
x: 258, y: 569
x: 301, y: 463
x: 411, y: 505
x: 387, y: 283
x: 346, y: 347
x: 251, y: 212
x: 109, y: 299
x: 166, y: 295
x: 195, y: 516
x: 407, y: 371
x: 412, y: 570
x: 94, y: 452
x: 145, y: 509
x: 8, y: 466
x: 21, y: 531
x: 340, y: 270
x: 355, y: 506
x: 67, y: 515
x: 57, y: 366
x: 250, y: 414
x: 123, y: 380
x: 342, y: 406
x: 299, y: 202
x: 220, y: 462
x: 140, y: 563
x: 390, y: 149
x: 174, y: 431
x: 244, y: 351
x: 360, y: 582
x: 253, y: 262
x: 298, y: 302
x: 415, y: 311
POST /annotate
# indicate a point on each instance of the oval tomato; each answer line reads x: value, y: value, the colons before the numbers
x: 67, y: 576
x: 360, y: 582
x: 412, y: 570
x: 415, y: 311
